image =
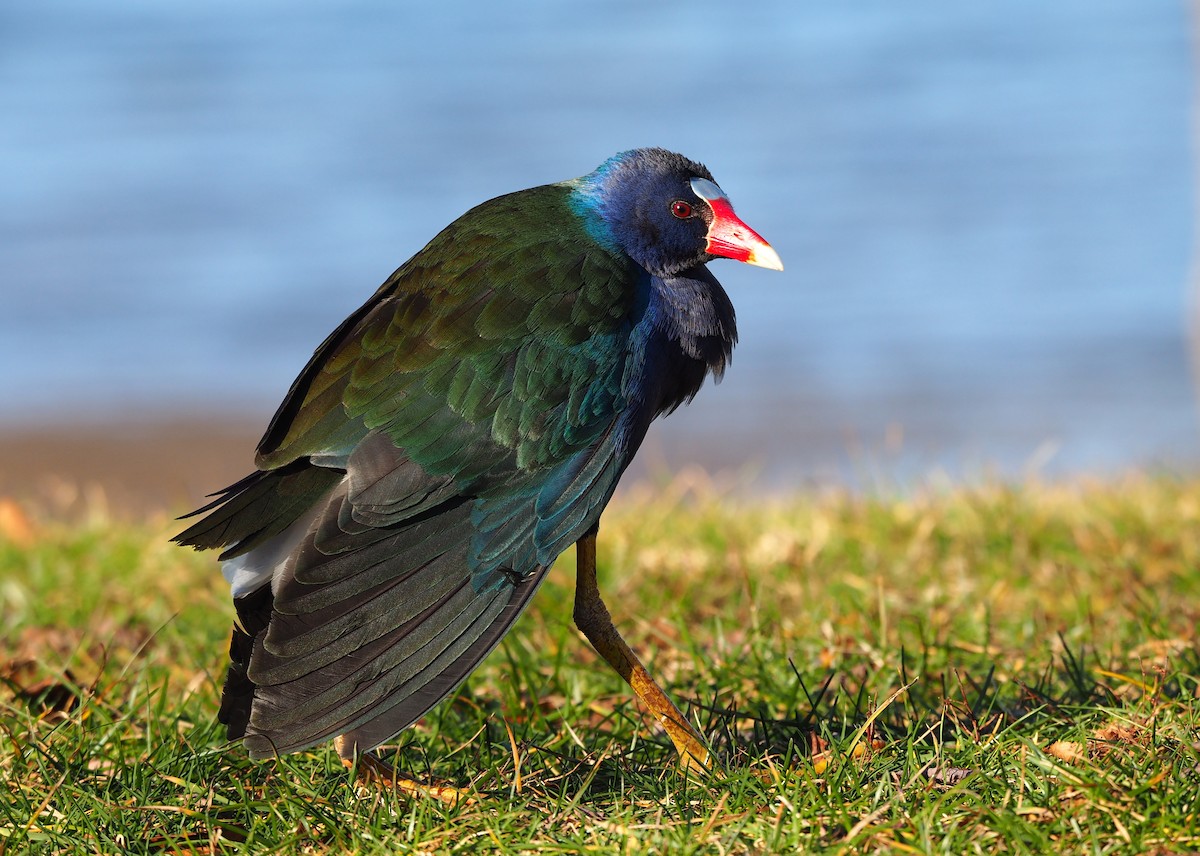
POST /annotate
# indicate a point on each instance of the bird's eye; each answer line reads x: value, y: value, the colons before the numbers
x: 681, y: 209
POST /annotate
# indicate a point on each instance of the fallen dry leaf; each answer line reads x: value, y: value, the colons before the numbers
x: 948, y: 775
x: 1067, y: 750
x: 1117, y: 733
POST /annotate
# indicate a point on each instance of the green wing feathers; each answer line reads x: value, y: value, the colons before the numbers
x: 483, y: 348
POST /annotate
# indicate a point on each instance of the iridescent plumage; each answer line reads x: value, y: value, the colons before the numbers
x: 451, y: 438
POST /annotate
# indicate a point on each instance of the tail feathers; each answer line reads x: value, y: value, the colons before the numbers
x: 394, y: 687
x: 259, y: 507
x: 363, y: 624
x: 237, y: 698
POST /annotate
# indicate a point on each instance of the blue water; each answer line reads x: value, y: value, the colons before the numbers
x: 985, y: 209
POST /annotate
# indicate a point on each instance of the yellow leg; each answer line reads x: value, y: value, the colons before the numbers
x: 370, y: 769
x: 593, y: 618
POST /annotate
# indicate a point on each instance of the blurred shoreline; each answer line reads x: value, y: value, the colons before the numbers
x: 168, y: 462
x: 165, y: 463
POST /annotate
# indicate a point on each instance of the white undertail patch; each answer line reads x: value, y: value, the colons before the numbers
x: 268, y: 561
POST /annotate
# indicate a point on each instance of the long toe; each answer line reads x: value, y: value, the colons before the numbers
x: 372, y: 771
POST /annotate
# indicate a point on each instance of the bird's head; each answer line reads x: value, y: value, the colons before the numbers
x: 667, y: 213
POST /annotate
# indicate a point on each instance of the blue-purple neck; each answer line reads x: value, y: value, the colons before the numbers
x: 591, y: 199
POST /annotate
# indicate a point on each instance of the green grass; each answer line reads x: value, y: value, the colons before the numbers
x: 983, y: 670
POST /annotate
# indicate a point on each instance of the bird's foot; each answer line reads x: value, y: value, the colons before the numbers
x: 697, y: 761
x: 695, y: 758
x: 373, y: 771
x: 369, y: 769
